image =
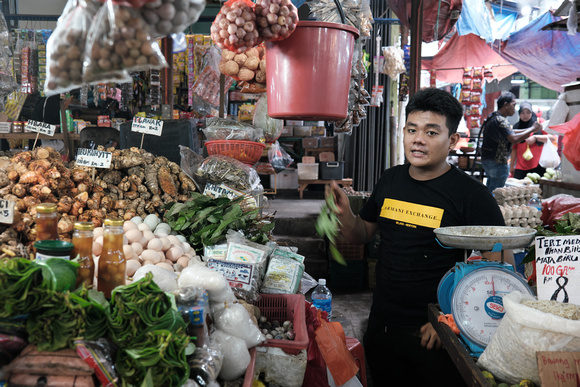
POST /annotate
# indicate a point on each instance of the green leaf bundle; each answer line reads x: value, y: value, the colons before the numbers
x: 327, y: 225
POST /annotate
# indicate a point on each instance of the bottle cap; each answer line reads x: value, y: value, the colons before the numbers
x: 114, y: 222
x: 46, y: 208
x: 84, y: 226
x: 322, y: 281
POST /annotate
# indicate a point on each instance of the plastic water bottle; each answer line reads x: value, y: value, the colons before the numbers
x: 535, y: 202
x: 322, y: 297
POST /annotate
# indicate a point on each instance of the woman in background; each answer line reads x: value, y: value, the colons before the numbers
x: 522, y: 162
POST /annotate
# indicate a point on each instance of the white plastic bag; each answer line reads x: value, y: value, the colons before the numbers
x: 523, y: 331
x: 218, y: 288
x: 549, y: 157
x: 235, y: 353
x: 235, y: 320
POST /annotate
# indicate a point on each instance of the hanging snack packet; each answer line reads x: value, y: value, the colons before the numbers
x: 235, y: 27
x: 66, y: 46
x: 119, y: 42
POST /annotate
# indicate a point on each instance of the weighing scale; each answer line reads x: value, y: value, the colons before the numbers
x: 472, y: 291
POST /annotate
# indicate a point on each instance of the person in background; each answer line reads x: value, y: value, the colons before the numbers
x: 406, y: 205
x: 521, y: 163
x: 498, y: 137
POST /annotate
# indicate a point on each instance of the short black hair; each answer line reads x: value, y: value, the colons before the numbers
x: 506, y: 97
x: 440, y: 102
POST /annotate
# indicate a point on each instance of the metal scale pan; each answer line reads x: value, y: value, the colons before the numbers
x: 485, y: 238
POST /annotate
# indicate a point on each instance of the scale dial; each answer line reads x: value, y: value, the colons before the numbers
x: 477, y: 304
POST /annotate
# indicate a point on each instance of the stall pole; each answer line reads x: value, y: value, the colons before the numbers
x: 167, y: 72
x: 416, y: 40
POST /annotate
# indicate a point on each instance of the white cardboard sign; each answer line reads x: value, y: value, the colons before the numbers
x: 6, y: 211
x: 93, y: 158
x: 558, y: 268
x: 40, y: 127
x: 147, y: 126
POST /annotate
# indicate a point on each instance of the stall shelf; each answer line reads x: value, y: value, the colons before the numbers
x: 457, y: 352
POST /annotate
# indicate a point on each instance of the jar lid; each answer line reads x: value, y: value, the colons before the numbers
x: 114, y: 222
x: 46, y: 208
x: 54, y: 246
x: 84, y: 226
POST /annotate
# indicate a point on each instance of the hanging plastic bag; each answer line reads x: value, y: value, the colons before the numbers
x: 279, y: 158
x: 549, y: 157
x: 528, y: 155
x: 171, y: 17
x: 235, y: 26
x: 119, y: 42
x: 272, y: 127
x: 66, y: 47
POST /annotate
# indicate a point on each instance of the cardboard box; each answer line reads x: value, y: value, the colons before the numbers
x: 294, y: 123
x: 287, y: 131
x: 5, y: 127
x: 331, y: 170
x: 310, y: 142
x: 303, y: 131
x: 326, y: 156
x: 327, y: 142
x: 307, y: 171
x: 319, y: 131
x: 308, y: 160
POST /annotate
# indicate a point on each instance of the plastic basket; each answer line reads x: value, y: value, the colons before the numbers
x: 284, y: 307
x: 351, y: 251
x: 249, y: 375
x: 248, y: 152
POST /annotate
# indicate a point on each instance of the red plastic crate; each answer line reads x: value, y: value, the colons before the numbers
x: 249, y: 376
x: 284, y: 307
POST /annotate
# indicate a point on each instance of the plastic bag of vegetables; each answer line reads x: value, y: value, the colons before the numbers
x: 235, y: 26
x: 66, y: 47
x: 118, y: 42
x: 171, y: 17
x: 272, y: 127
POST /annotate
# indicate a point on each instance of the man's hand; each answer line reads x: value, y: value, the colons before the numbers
x: 429, y: 338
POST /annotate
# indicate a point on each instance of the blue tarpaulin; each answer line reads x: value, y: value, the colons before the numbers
x: 475, y: 20
x: 550, y: 58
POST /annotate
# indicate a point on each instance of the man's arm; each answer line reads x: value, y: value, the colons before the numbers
x: 514, y: 137
x: 513, y: 159
x: 354, y: 228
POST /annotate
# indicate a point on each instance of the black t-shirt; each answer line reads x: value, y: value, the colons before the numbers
x: 411, y: 262
x: 496, y: 145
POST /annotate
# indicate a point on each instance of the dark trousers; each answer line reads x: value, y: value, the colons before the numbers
x: 520, y: 173
x: 396, y: 358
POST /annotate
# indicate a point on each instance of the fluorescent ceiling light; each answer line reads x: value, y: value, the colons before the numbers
x: 518, y: 81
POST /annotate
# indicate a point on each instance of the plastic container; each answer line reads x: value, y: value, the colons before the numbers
x: 307, y: 171
x: 52, y: 249
x: 331, y: 170
x: 535, y: 202
x: 308, y: 73
x: 322, y: 297
x: 248, y: 152
x: 284, y: 307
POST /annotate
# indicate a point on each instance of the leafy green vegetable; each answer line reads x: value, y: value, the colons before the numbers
x: 62, y: 271
x: 205, y: 221
x: 568, y: 224
x: 327, y: 225
x: 24, y: 287
x: 66, y: 317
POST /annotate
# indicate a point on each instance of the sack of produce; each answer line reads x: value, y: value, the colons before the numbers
x: 276, y: 19
x: 171, y: 17
x: 249, y: 66
x: 235, y: 27
x: 66, y: 47
x: 236, y: 356
x: 235, y: 320
x: 118, y: 42
x: 527, y: 327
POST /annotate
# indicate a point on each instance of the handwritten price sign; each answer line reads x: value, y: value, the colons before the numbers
x: 558, y: 268
x: 147, y: 126
x: 6, y: 211
x: 93, y: 158
x: 40, y: 127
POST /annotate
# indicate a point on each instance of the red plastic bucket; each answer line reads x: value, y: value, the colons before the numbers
x: 308, y: 74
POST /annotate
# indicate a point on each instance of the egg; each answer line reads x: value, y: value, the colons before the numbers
x: 133, y: 235
x: 132, y: 266
x: 155, y: 244
x: 181, y: 238
x: 98, y: 231
x: 128, y: 225
x: 161, y: 234
x: 173, y: 240
x: 147, y: 262
x: 166, y: 243
x: 148, y: 235
x: 128, y: 252
x: 151, y: 255
x: 186, y: 247
x: 144, y: 227
x: 143, y: 242
x: 174, y: 253
x: 165, y: 266
x: 97, y: 248
x: 183, y: 261
x: 137, y: 248
x: 137, y: 220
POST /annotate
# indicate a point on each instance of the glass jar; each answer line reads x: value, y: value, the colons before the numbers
x: 46, y: 222
x: 112, y: 264
x: 82, y: 240
x: 47, y: 249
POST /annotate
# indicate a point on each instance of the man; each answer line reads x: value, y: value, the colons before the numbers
x: 498, y: 137
x: 407, y: 204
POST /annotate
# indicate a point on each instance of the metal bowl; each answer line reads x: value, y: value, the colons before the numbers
x: 485, y: 238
